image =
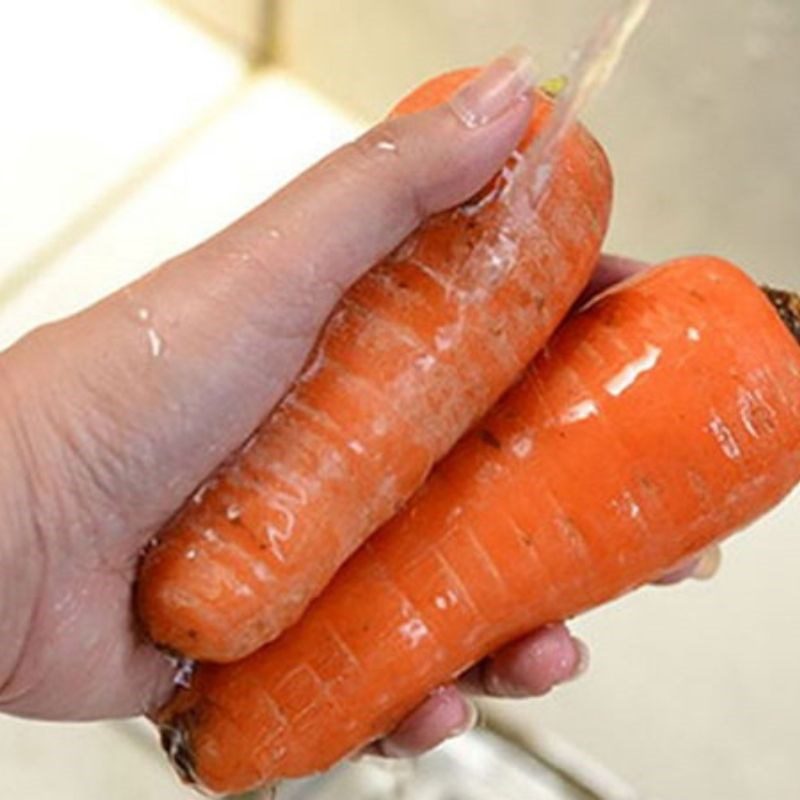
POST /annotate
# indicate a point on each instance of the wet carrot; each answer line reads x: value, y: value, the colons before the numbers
x: 416, y: 352
x: 663, y: 417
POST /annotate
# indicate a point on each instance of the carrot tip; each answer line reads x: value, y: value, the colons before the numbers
x: 787, y: 304
x: 175, y: 744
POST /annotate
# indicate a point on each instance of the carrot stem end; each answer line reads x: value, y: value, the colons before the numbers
x: 787, y: 304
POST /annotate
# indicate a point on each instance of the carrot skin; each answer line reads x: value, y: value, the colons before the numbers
x: 416, y: 351
x: 661, y: 418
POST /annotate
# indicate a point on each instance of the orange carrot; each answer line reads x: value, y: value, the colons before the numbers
x: 661, y: 418
x: 417, y: 351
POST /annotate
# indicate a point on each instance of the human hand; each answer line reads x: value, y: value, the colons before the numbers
x: 109, y: 419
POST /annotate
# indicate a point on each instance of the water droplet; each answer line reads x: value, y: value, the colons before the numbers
x: 469, y: 117
x: 580, y: 411
x: 356, y: 446
x: 191, y: 554
x: 250, y: 443
x: 198, y: 496
x: 184, y: 670
x: 444, y: 337
x: 387, y: 145
x: 406, y: 249
x: 693, y: 335
x: 522, y: 446
x: 414, y: 631
x: 426, y: 363
x: 143, y: 313
x: 210, y: 535
x: 541, y: 178
x: 156, y: 342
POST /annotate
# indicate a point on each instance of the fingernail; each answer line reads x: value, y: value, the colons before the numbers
x: 498, y: 86
x: 470, y: 720
x: 583, y: 659
x: 708, y: 565
x: 388, y: 748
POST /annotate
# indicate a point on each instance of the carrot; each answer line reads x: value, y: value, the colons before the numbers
x: 417, y: 351
x: 661, y: 418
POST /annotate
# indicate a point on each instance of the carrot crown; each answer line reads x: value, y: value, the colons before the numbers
x: 787, y: 304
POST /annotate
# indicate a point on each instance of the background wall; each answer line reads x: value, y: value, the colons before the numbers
x: 701, y: 123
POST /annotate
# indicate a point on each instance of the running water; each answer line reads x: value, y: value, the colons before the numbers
x: 590, y: 67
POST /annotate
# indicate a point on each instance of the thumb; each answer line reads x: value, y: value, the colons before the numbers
x: 143, y: 394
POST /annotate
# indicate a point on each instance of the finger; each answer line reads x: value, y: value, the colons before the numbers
x: 610, y: 269
x: 708, y: 565
x: 446, y: 713
x: 700, y: 567
x: 531, y: 666
x: 174, y: 372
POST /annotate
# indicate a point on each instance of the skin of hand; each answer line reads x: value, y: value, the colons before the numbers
x: 109, y: 419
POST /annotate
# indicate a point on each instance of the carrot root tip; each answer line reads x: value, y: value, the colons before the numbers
x: 176, y: 746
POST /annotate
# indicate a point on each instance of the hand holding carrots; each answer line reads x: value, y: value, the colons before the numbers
x: 104, y: 437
